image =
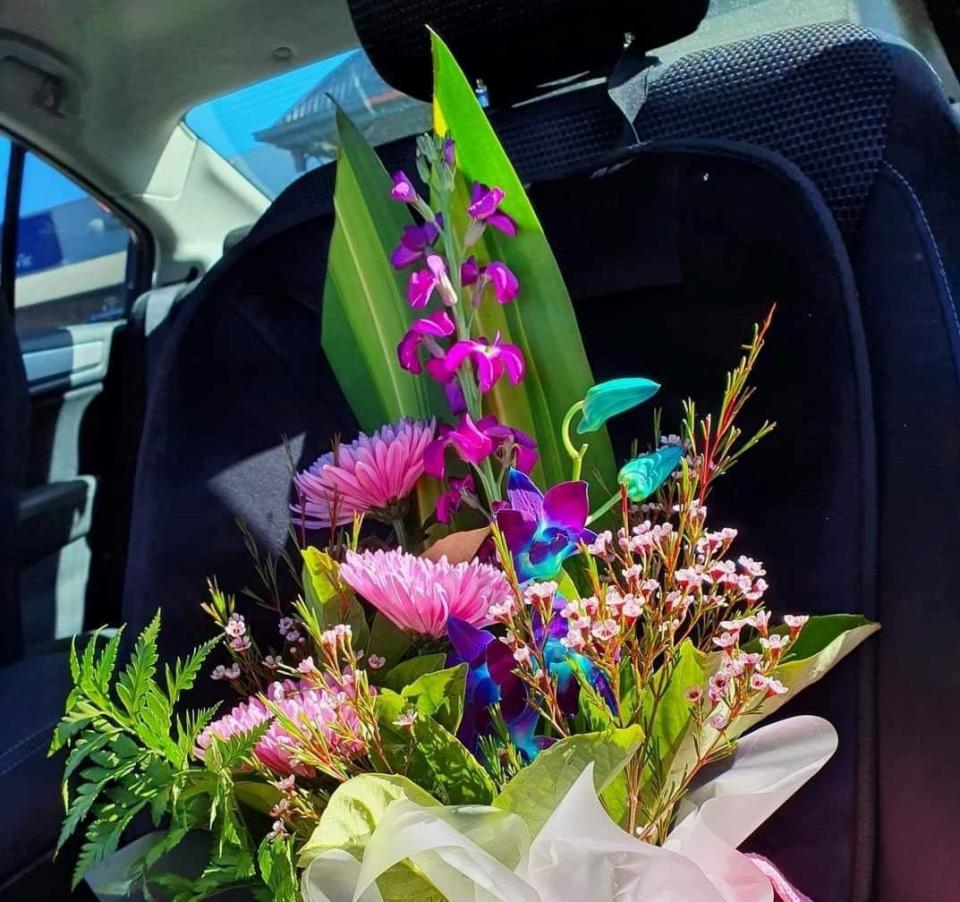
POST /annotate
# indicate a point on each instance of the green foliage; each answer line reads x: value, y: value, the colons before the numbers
x: 438, y: 694
x: 428, y: 753
x: 404, y: 674
x: 365, y: 310
x: 821, y: 645
x: 541, y: 321
x: 536, y: 791
x: 277, y: 870
x: 127, y: 752
x: 387, y: 639
x: 328, y: 600
x: 354, y: 811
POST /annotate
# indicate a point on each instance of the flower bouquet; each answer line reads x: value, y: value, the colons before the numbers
x: 508, y: 669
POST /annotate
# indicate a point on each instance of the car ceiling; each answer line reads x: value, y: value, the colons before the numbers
x: 131, y: 68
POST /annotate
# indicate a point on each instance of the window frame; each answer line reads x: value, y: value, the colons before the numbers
x: 140, y: 250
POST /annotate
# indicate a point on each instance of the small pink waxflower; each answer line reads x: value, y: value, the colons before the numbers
x: 776, y: 642
x: 407, y: 719
x: 540, y: 593
x: 795, y: 623
x: 272, y: 662
x: 632, y: 607
x: 286, y: 624
x: 419, y: 595
x: 605, y: 630
x: 240, y: 644
x: 375, y: 662
x: 725, y: 641
x: 521, y: 654
x: 602, y: 545
x: 775, y: 687
x: 750, y: 566
x: 573, y: 640
x: 369, y: 475
x: 218, y: 673
x: 236, y: 626
x: 718, y: 722
x: 756, y: 591
x: 232, y: 672
x: 734, y: 626
x: 694, y: 694
x: 758, y: 682
x: 760, y: 621
x: 307, y: 667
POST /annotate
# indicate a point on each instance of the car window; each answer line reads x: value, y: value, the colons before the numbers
x: 72, y: 254
x: 4, y: 171
x: 276, y: 129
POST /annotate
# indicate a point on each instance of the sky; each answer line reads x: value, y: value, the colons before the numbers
x: 228, y: 123
x: 225, y: 123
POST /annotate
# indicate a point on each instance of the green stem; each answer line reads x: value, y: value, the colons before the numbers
x: 600, y: 511
x: 576, y: 454
x: 400, y: 531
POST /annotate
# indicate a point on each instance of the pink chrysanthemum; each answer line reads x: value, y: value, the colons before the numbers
x: 317, y: 709
x: 420, y: 595
x: 370, y: 474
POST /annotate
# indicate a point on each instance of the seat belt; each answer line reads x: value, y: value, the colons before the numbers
x: 630, y: 82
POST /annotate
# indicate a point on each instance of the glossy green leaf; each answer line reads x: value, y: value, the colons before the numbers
x: 355, y: 809
x: 536, y: 790
x: 439, y: 694
x: 430, y: 755
x: 822, y: 644
x: 387, y: 640
x: 330, y: 597
x: 541, y: 321
x: 643, y: 475
x: 365, y: 311
x: 351, y: 816
x: 405, y: 673
x: 608, y: 399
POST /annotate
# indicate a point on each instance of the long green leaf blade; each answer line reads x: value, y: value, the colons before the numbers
x: 542, y: 320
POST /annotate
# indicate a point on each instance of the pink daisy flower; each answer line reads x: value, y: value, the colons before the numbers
x: 370, y: 474
x: 420, y: 595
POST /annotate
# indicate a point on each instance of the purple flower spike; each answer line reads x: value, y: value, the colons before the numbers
x: 403, y: 189
x: 485, y: 207
x: 475, y: 442
x: 451, y: 500
x: 413, y: 244
x: 490, y: 361
x: 470, y: 272
x: 424, y: 282
x: 449, y: 152
x: 505, y: 284
x: 437, y: 325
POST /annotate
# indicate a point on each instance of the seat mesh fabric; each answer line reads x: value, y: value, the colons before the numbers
x: 819, y: 95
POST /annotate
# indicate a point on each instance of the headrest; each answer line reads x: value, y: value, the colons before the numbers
x: 514, y: 45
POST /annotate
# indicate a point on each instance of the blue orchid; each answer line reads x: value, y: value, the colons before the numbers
x: 543, y: 530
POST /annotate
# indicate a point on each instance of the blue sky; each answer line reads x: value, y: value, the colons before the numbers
x: 228, y: 123
x: 43, y: 186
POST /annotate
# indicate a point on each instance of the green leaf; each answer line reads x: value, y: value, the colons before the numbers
x: 348, y: 822
x: 387, y: 640
x: 355, y: 809
x: 138, y: 675
x: 821, y: 645
x: 430, y: 755
x: 365, y: 310
x: 541, y: 321
x: 439, y: 695
x: 536, y: 790
x: 409, y: 671
x: 258, y: 796
x: 275, y: 860
x: 330, y: 597
x: 107, y: 662
x: 184, y: 673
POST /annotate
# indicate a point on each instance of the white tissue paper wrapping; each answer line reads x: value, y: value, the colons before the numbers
x: 580, y: 853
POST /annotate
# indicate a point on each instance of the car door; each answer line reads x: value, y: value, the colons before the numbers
x: 77, y: 266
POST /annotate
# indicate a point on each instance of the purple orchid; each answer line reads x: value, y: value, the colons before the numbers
x: 461, y: 489
x: 437, y: 325
x: 543, y: 530
x: 485, y: 208
x: 490, y: 361
x: 474, y: 442
x: 424, y: 282
x: 414, y: 243
x: 491, y: 680
x: 506, y: 286
x: 403, y: 189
